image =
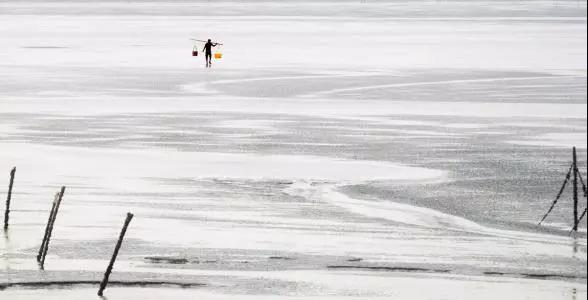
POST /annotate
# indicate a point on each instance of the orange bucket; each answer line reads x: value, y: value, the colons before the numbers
x: 218, y: 55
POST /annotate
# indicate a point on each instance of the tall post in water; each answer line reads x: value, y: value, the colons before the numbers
x: 575, y: 183
x: 7, y: 211
x: 114, y: 254
x: 51, y: 212
x: 45, y: 248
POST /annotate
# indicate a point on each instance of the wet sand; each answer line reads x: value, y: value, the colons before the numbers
x: 293, y: 176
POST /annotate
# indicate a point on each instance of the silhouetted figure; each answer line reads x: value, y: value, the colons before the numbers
x: 208, y: 52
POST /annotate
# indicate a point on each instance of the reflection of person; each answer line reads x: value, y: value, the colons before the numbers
x: 208, y: 52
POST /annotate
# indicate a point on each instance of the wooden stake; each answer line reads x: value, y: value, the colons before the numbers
x: 575, y: 182
x: 7, y: 211
x: 54, y: 217
x: 114, y: 254
x: 42, y: 248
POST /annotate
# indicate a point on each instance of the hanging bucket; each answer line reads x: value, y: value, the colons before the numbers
x: 218, y: 55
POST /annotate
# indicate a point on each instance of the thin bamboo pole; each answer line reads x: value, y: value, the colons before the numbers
x: 203, y: 41
x: 42, y: 248
x: 114, y: 254
x: 575, y: 183
x: 52, y: 223
x: 8, y: 198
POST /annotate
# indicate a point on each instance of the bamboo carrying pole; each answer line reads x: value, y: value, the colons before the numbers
x: 8, y: 198
x: 51, y: 223
x: 114, y: 254
x: 203, y: 41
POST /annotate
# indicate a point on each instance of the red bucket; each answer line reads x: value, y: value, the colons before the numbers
x: 194, y: 53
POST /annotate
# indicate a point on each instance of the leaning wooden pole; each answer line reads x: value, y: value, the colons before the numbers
x: 114, y: 254
x: 51, y: 212
x: 51, y: 224
x: 575, y: 183
x: 8, y: 198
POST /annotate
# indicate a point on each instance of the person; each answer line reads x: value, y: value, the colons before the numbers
x: 208, y: 52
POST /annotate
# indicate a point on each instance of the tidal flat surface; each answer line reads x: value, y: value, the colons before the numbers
x: 361, y: 154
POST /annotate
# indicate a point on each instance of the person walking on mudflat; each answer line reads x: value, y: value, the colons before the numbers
x: 208, y: 52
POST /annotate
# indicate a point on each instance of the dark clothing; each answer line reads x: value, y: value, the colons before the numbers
x: 208, y: 52
x: 208, y: 48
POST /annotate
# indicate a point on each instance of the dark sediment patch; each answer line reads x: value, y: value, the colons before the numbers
x: 392, y: 269
x: 534, y: 275
x: 546, y: 276
x: 69, y: 283
x: 280, y: 258
x: 210, y: 261
x: 166, y: 260
x: 495, y: 273
x: 430, y: 270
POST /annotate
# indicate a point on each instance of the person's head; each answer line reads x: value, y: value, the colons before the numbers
x: 209, y: 40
